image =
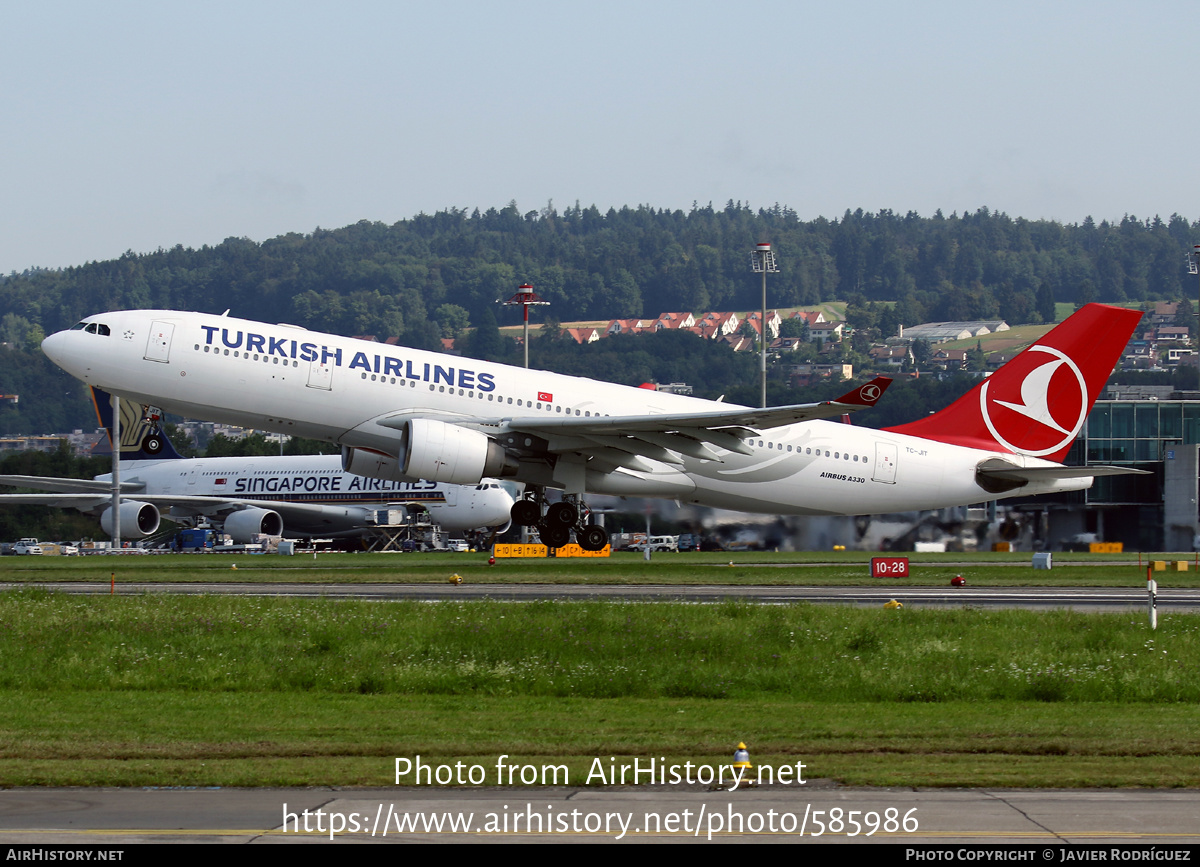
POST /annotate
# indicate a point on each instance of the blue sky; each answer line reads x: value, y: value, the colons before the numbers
x: 143, y: 125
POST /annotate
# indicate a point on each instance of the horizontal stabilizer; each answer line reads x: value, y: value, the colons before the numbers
x: 1042, y: 474
x: 997, y: 476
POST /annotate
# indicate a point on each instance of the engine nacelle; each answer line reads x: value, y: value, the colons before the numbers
x: 138, y: 520
x: 449, y: 453
x: 435, y: 451
x: 245, y: 524
x: 370, y: 464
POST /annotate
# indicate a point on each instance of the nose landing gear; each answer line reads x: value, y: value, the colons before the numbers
x: 556, y: 521
x: 154, y: 441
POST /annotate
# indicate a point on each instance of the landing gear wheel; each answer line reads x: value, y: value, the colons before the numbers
x: 593, y: 538
x: 555, y: 536
x: 562, y: 515
x: 524, y: 513
x: 153, y: 443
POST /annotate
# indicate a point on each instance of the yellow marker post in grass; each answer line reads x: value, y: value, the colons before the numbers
x: 741, y: 757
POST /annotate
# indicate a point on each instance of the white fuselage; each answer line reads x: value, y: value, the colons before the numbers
x: 351, y: 503
x: 290, y: 380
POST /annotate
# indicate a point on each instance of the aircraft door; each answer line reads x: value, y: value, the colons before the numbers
x: 158, y: 345
x: 885, y: 464
x: 320, y: 375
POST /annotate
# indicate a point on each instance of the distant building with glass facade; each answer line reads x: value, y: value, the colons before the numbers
x: 1155, y: 512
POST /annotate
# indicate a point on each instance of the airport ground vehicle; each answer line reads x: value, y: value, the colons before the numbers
x: 27, y: 546
x: 656, y: 544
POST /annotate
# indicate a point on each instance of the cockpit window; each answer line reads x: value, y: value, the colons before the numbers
x: 95, y: 328
x: 79, y: 326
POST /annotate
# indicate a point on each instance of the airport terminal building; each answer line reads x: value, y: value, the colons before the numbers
x: 1152, y: 428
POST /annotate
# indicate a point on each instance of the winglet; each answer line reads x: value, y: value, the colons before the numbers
x: 866, y: 395
x: 138, y: 441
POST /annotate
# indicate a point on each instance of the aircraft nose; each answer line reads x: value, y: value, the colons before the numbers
x: 499, y: 502
x: 55, y: 347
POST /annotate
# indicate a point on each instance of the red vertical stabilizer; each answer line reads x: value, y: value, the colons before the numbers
x: 1036, y: 404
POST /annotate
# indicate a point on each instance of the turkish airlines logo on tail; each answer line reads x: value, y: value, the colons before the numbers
x: 1039, y: 407
x: 869, y: 392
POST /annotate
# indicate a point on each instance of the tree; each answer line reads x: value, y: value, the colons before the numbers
x: 486, y: 341
x: 180, y: 440
x: 1045, y: 302
x: 1085, y: 294
x: 1185, y: 316
x: 551, y: 329
x: 794, y: 328
x: 452, y: 320
x: 976, y: 359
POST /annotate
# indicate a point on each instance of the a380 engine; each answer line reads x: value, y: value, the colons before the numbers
x: 138, y: 520
x: 244, y: 524
x: 435, y: 451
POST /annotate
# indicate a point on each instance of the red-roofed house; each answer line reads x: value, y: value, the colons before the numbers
x: 627, y: 326
x: 812, y: 317
x: 674, y: 320
x: 727, y: 323
x: 582, y: 335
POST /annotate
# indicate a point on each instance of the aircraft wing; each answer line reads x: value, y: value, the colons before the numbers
x: 180, y: 505
x: 185, y: 505
x: 663, y: 436
x: 59, y: 485
x: 82, y: 502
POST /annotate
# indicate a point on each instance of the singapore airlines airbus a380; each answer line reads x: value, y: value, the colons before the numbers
x: 306, y: 496
x: 405, y: 414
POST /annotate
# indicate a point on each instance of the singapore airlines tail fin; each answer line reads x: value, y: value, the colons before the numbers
x: 1036, y: 403
x: 139, y: 440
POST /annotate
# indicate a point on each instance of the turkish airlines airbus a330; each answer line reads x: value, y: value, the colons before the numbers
x: 404, y: 414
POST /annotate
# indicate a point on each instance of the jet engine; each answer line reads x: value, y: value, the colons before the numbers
x: 371, y: 464
x: 436, y: 451
x: 244, y: 524
x: 138, y: 520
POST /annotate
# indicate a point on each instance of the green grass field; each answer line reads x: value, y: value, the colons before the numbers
x: 167, y: 690
x: 759, y: 568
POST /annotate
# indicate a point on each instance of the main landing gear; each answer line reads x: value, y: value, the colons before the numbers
x: 556, y: 521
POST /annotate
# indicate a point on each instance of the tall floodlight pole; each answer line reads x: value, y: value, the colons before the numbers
x: 762, y: 261
x: 116, y: 472
x: 526, y: 297
x: 1194, y: 268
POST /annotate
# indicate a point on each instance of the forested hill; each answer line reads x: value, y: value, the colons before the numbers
x: 434, y: 275
x: 409, y: 278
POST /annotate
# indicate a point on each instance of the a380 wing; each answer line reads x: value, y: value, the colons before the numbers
x: 68, y: 486
x: 185, y: 505
x: 181, y: 505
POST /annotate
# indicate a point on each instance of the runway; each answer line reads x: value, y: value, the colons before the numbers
x: 1037, y: 822
x: 1077, y: 598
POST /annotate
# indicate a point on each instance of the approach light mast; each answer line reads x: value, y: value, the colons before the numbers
x: 526, y: 297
